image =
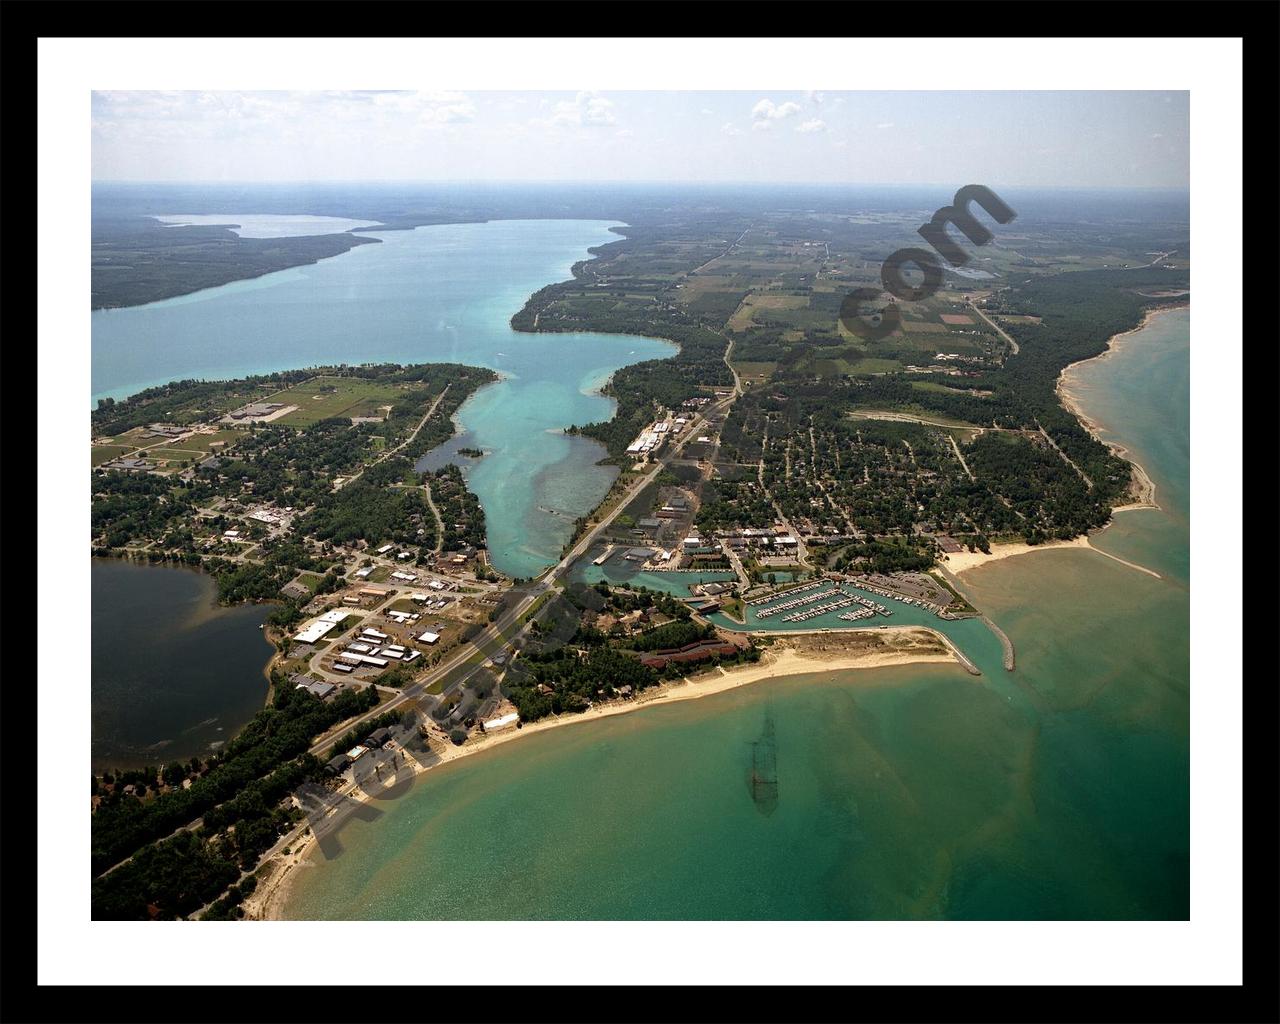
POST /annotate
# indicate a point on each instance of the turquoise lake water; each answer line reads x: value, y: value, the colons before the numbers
x: 444, y: 293
x: 1119, y: 390
x: 1059, y: 791
x: 618, y: 570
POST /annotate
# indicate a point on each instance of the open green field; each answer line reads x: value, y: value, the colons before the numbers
x: 323, y: 397
x: 927, y: 385
x: 913, y: 414
x: 869, y: 365
x: 106, y: 452
x: 310, y: 580
x: 755, y: 371
x: 199, y: 446
x: 134, y: 438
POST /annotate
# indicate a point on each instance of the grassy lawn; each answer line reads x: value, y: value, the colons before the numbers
x: 200, y: 445
x: 928, y: 385
x: 869, y: 365
x: 755, y: 371
x: 323, y: 397
x: 310, y: 580
x: 106, y: 452
x: 912, y: 413
x: 535, y: 608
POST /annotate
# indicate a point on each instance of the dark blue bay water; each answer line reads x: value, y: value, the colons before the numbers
x: 173, y: 674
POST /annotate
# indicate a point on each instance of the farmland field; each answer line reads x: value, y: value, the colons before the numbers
x: 324, y: 397
x: 199, y: 445
x: 105, y: 452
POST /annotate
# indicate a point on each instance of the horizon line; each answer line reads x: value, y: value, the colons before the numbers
x: 764, y: 183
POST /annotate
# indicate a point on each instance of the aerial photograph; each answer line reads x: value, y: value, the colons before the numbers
x: 622, y: 505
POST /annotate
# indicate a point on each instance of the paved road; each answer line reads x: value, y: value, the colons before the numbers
x: 497, y: 636
x: 995, y: 327
x: 408, y: 440
x: 732, y: 246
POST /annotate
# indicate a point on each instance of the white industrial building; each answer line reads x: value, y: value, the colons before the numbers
x: 319, y: 627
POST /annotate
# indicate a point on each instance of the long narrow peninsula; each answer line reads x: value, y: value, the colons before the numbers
x: 776, y: 476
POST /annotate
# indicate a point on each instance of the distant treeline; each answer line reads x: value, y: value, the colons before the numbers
x: 145, y: 261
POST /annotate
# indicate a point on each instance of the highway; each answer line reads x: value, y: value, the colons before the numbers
x: 472, y: 657
x: 497, y: 636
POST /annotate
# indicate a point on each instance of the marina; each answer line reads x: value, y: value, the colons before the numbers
x: 812, y: 613
x: 796, y: 602
x: 765, y: 598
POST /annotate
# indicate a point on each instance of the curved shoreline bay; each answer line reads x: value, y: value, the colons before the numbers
x: 444, y: 293
x: 1059, y: 791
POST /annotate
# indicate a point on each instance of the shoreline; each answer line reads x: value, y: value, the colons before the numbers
x: 783, y: 658
x: 803, y: 655
x: 1141, y: 487
x: 962, y: 562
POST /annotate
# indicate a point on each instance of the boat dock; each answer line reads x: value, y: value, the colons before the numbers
x: 608, y: 551
x: 789, y: 592
x: 798, y: 602
x: 811, y: 613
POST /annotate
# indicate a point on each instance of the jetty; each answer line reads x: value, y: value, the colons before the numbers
x: 1001, y: 635
x: 1005, y: 642
x: 604, y: 557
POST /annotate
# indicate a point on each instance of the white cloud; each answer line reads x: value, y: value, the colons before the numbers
x: 808, y: 127
x: 430, y: 106
x: 767, y: 110
x: 624, y: 133
x: 885, y: 124
x: 707, y: 112
x: 728, y: 129
x: 815, y: 97
x: 586, y: 110
x: 761, y: 126
x: 450, y: 113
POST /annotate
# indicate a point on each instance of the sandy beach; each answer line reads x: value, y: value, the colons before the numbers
x: 1142, y: 488
x: 786, y: 656
x: 963, y: 561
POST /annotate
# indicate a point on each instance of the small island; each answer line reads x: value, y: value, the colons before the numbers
x: 786, y: 498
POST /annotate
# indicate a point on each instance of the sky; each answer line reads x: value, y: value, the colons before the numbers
x: 1019, y: 139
